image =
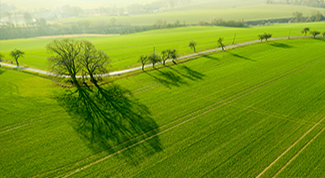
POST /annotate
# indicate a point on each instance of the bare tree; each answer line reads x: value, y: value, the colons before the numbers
x: 220, y: 41
x: 154, y: 58
x: 261, y: 37
x: 267, y: 36
x: 314, y: 33
x: 65, y: 60
x: 143, y: 59
x: 173, y: 55
x: 193, y: 44
x: 95, y: 62
x: 305, y: 31
x: 16, y: 54
x: 164, y: 56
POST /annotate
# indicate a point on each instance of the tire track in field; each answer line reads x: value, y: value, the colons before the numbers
x: 299, y: 152
x: 20, y: 126
x: 274, y: 114
x: 241, y: 95
x: 288, y: 149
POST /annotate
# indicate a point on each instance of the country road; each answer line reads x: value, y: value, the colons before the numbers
x: 149, y: 65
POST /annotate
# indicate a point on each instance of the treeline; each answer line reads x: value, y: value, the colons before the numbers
x: 52, y: 30
x: 312, y: 3
x: 221, y: 22
x: 14, y: 32
x: 160, y: 24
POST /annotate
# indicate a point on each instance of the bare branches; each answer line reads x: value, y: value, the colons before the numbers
x: 72, y: 57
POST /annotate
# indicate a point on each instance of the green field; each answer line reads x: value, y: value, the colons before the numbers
x: 194, y: 14
x: 125, y: 50
x: 228, y: 114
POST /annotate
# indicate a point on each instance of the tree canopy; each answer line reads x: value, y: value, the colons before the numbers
x: 16, y: 54
x: 154, y: 58
x: 315, y: 33
x: 305, y: 30
x: 143, y: 59
x: 220, y: 41
x: 71, y: 57
x: 193, y: 44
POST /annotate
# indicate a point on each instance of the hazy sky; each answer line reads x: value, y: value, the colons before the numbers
x: 81, y: 3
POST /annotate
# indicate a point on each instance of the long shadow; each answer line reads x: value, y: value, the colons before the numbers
x: 176, y: 77
x: 281, y: 45
x: 196, y: 75
x: 110, y: 119
x: 168, y: 79
x: 320, y: 39
x: 241, y: 57
x: 211, y: 57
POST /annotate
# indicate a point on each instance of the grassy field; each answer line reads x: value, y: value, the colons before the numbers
x: 125, y: 50
x: 203, y: 12
x: 228, y: 114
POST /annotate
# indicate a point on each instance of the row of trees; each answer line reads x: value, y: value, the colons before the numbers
x: 264, y: 36
x: 221, y: 22
x: 299, y: 17
x: 312, y: 3
x: 73, y: 57
x: 155, y: 58
x: 314, y: 33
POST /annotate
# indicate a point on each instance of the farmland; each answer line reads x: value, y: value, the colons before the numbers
x: 227, y: 114
x: 124, y: 50
x: 255, y: 11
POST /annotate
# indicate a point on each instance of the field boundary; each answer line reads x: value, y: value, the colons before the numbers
x: 120, y: 72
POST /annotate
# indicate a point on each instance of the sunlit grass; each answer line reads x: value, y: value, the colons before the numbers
x: 125, y: 50
x: 227, y: 114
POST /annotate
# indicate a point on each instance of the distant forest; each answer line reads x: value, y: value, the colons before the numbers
x: 312, y: 3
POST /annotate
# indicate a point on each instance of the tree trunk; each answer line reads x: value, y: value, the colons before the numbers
x: 142, y: 67
x: 17, y: 62
x: 194, y: 50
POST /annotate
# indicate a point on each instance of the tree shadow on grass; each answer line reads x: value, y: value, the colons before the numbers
x: 211, y: 57
x: 281, y: 45
x: 241, y: 57
x: 193, y: 74
x: 320, y: 39
x: 175, y: 77
x: 111, y: 119
x: 168, y: 79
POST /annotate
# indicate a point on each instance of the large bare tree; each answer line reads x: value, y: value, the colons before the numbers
x: 66, y: 57
x: 93, y: 61
x: 16, y: 54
